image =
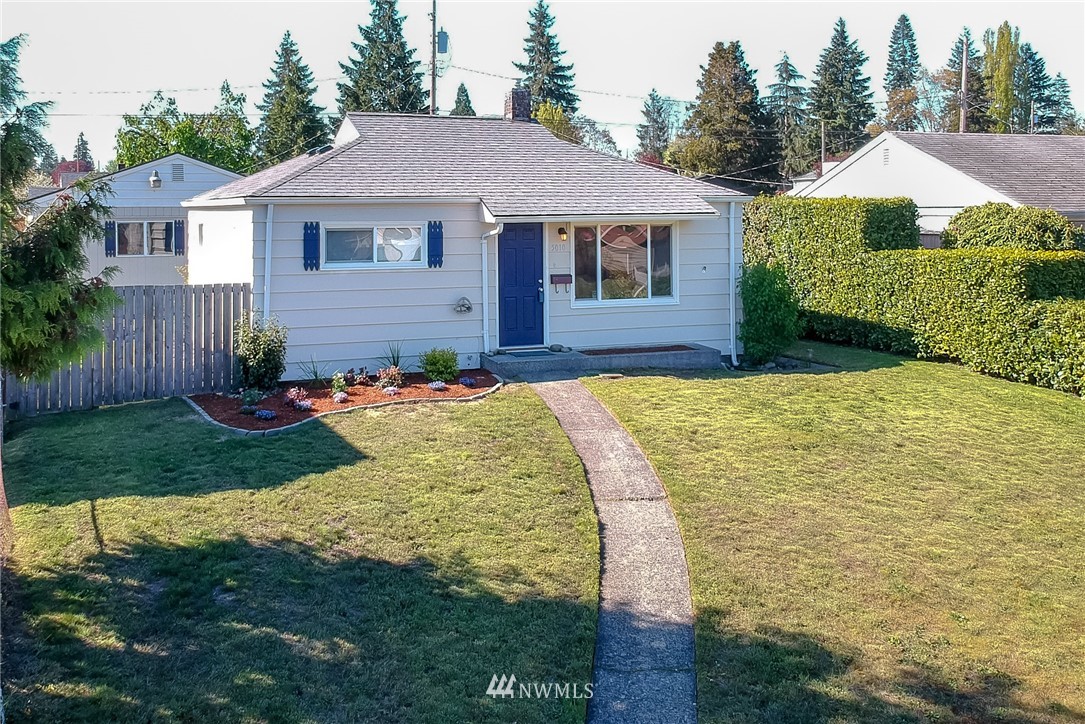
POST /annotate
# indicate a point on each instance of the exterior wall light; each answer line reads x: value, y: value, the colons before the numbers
x: 155, y: 180
x: 563, y: 234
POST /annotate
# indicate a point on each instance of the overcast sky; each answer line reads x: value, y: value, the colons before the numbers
x: 97, y: 60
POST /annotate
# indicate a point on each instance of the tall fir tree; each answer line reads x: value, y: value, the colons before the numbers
x: 841, y: 95
x: 544, y: 74
x: 657, y: 130
x: 47, y: 159
x: 291, y: 123
x: 1001, y: 56
x: 384, y: 76
x: 1036, y: 109
x: 949, y: 78
x: 787, y: 100
x: 729, y: 131
x: 463, y: 105
x: 901, y: 77
x: 1067, y: 119
x: 82, y: 150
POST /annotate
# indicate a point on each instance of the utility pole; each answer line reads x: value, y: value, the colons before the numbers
x: 822, y: 173
x: 433, y: 62
x: 1032, y: 117
x: 964, y: 88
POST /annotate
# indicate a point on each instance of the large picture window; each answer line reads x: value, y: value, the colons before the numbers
x: 623, y: 262
x: 362, y: 246
x: 144, y: 238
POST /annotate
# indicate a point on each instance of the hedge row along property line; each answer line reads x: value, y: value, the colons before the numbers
x: 860, y: 277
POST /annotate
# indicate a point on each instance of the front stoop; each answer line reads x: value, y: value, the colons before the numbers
x: 644, y: 647
x: 510, y: 366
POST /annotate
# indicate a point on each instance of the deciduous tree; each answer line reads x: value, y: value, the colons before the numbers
x: 1002, y: 53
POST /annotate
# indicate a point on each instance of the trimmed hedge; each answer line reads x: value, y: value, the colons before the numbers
x: 1020, y: 227
x: 1007, y: 312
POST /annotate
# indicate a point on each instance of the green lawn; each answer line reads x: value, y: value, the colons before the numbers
x: 381, y: 565
x: 891, y: 541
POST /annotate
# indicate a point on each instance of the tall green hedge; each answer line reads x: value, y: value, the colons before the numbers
x: 1008, y: 312
x: 1016, y: 227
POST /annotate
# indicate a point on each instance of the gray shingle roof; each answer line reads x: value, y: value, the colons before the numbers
x: 1036, y: 170
x: 516, y: 168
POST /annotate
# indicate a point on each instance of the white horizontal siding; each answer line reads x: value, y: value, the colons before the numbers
x: 225, y: 255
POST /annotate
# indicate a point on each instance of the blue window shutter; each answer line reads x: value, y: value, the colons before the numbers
x: 312, y: 245
x: 179, y: 237
x: 111, y: 238
x: 436, y: 244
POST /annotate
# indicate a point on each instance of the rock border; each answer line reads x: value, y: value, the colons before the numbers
x: 241, y: 432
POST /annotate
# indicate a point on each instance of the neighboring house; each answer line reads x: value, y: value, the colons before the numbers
x: 945, y: 172
x: 145, y: 236
x: 475, y: 234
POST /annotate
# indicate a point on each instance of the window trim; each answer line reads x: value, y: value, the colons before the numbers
x: 147, y: 237
x: 598, y: 301
x: 372, y: 265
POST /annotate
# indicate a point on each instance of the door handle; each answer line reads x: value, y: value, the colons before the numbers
x: 541, y: 290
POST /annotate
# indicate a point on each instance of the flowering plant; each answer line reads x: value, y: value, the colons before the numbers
x: 438, y: 386
x: 390, y: 377
x: 339, y: 383
x: 468, y: 381
x: 303, y: 405
x: 391, y: 391
x: 340, y: 397
x: 295, y: 395
x: 264, y: 414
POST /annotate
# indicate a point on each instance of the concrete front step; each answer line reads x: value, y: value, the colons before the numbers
x: 510, y: 366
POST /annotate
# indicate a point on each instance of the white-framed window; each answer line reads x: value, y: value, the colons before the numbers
x: 144, y: 238
x: 356, y: 246
x: 624, y: 263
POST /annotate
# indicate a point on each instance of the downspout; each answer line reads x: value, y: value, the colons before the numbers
x: 268, y: 224
x: 486, y: 286
x: 734, y: 285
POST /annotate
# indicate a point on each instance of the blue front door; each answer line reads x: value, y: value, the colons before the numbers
x: 520, y: 270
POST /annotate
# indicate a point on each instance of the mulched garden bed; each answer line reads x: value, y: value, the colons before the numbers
x: 637, y: 350
x: 227, y: 410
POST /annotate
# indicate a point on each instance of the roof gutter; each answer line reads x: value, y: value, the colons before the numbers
x: 486, y: 286
x: 734, y: 283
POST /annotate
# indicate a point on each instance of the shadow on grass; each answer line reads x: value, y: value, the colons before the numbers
x: 788, y: 677
x: 225, y: 630
x: 156, y: 449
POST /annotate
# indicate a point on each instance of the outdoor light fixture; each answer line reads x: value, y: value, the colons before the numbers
x: 155, y: 180
x: 563, y: 234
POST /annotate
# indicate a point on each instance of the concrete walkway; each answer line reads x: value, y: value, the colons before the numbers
x: 643, y: 668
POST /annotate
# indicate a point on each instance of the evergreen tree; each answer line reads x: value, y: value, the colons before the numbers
x: 384, y: 76
x: 291, y: 123
x: 949, y: 78
x: 82, y: 151
x: 594, y: 136
x: 841, y: 93
x: 901, y: 76
x: 548, y: 79
x: 657, y: 130
x: 48, y: 159
x: 728, y: 132
x: 463, y: 105
x: 1067, y: 119
x: 1002, y: 54
x: 787, y: 101
x: 1036, y: 108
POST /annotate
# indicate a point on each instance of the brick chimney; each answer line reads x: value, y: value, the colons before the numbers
x: 518, y: 104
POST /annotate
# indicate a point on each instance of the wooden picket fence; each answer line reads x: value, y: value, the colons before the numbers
x: 161, y: 341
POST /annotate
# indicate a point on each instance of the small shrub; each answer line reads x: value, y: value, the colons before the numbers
x: 468, y: 381
x: 265, y: 415
x: 391, y: 391
x: 390, y: 377
x: 248, y: 409
x: 251, y: 397
x: 355, y: 378
x: 440, y: 364
x: 770, y: 313
x: 260, y: 349
x: 295, y: 395
x: 1020, y: 227
x: 438, y: 386
x: 339, y: 383
x: 340, y: 398
x: 303, y: 405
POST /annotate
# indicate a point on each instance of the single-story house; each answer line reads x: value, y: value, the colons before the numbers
x: 475, y: 234
x: 945, y: 172
x: 145, y: 234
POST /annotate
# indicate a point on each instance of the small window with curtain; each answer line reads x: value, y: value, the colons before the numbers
x: 359, y: 247
x: 623, y: 262
x: 144, y: 238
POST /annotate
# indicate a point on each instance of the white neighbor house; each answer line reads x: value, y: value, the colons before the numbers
x: 475, y: 234
x: 945, y: 172
x: 145, y: 235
